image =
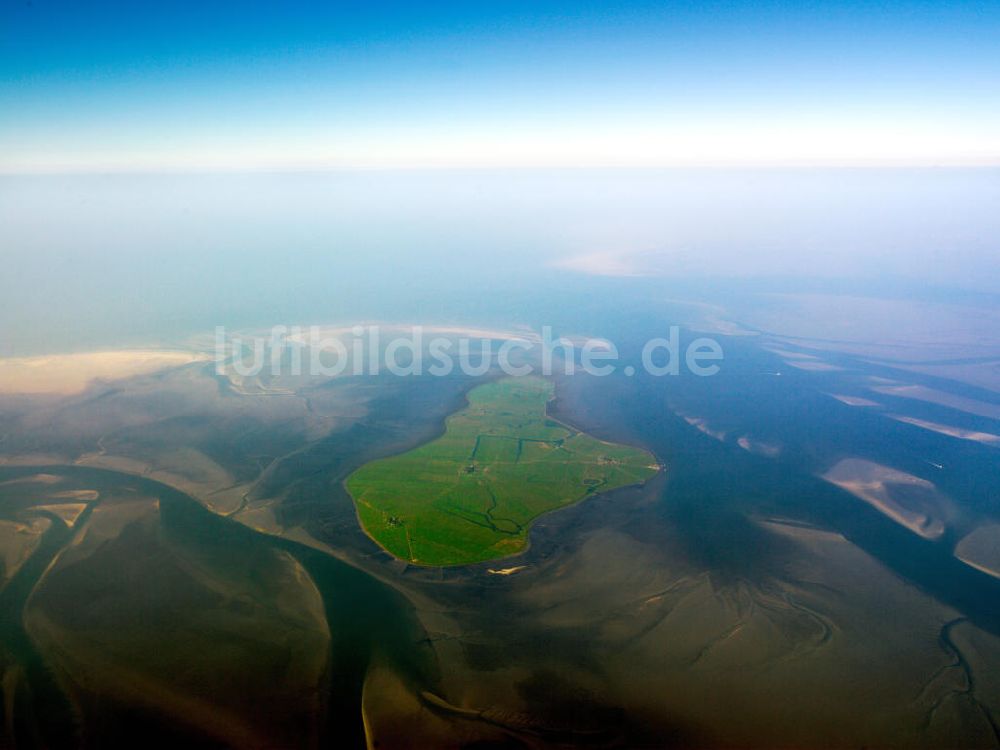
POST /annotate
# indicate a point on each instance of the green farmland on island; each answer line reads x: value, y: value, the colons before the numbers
x: 472, y: 494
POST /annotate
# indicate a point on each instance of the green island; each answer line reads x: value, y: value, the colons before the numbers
x: 472, y: 494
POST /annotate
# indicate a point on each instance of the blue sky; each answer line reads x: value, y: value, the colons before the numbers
x: 225, y: 85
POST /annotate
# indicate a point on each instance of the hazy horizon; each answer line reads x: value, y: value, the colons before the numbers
x: 110, y: 260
